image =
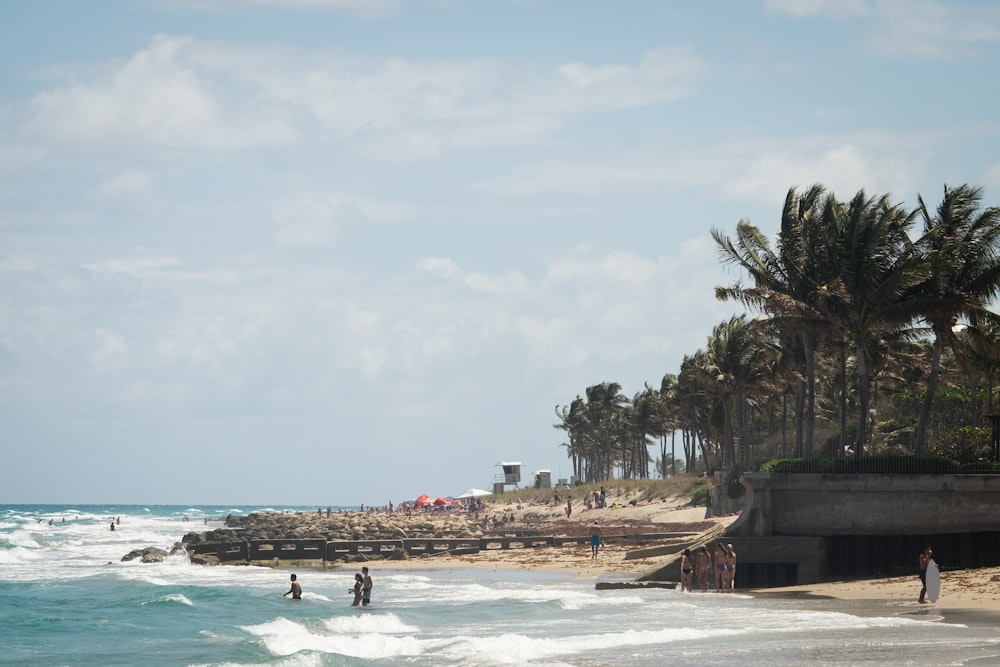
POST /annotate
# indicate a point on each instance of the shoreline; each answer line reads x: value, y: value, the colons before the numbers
x: 896, y: 596
x: 972, y: 593
x: 973, y: 590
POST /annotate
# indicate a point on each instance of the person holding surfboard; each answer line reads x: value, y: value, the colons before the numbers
x: 923, y: 560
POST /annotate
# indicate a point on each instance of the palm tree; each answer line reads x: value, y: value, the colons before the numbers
x: 643, y: 420
x: 785, y: 283
x: 980, y: 350
x: 572, y: 421
x: 667, y: 413
x: 866, y: 297
x: 694, y: 409
x: 739, y: 362
x: 961, y: 248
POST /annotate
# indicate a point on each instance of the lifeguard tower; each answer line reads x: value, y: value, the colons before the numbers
x: 511, y: 476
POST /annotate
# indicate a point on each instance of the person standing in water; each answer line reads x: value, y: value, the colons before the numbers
x: 687, y: 568
x: 358, y: 583
x: 366, y: 587
x: 703, y: 561
x: 295, y: 590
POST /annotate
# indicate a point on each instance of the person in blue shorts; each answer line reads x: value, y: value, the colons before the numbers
x: 596, y: 538
x: 366, y: 588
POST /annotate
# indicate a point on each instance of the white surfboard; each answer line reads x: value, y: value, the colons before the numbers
x: 933, y: 579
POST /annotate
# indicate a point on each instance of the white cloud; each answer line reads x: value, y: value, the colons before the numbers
x: 843, y: 164
x: 511, y: 282
x: 160, y: 98
x: 182, y: 94
x: 162, y: 268
x: 363, y: 8
x: 133, y: 189
x: 933, y: 29
x: 993, y: 177
x: 832, y: 8
x: 113, y: 349
x: 905, y: 28
x: 315, y: 225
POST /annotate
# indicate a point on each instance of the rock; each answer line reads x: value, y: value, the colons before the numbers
x: 148, y: 555
x: 204, y: 559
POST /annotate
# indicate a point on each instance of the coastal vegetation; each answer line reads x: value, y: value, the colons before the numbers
x: 868, y: 332
x: 692, y: 489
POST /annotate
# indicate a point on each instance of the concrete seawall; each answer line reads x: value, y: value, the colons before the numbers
x: 798, y: 528
x: 826, y: 505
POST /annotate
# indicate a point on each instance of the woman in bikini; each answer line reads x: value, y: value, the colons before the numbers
x: 703, y: 561
x: 686, y: 570
x: 358, y: 582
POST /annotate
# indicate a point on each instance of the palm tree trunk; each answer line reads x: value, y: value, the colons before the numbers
x: 810, y: 396
x: 800, y: 414
x: 843, y: 400
x: 864, y: 388
x: 920, y: 436
x: 784, y: 423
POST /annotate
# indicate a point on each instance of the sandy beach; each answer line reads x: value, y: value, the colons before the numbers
x: 973, y: 590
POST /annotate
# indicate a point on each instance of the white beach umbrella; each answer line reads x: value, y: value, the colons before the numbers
x: 474, y: 493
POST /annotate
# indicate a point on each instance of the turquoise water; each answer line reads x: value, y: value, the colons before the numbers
x: 66, y: 599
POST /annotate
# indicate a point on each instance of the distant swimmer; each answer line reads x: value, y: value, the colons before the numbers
x: 112, y: 525
x: 295, y: 590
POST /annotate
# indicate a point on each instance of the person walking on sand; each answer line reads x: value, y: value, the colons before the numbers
x: 922, y: 561
x: 569, y: 506
x: 687, y: 568
x: 366, y: 587
x: 295, y: 590
x: 596, y: 538
x: 358, y: 583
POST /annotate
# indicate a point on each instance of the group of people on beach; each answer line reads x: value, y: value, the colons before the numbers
x: 362, y: 588
x: 715, y: 569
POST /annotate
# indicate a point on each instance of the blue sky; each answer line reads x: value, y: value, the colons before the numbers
x: 352, y: 251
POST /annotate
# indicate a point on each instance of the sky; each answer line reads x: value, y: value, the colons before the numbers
x: 333, y: 252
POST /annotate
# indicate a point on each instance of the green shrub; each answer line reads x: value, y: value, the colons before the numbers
x: 882, y: 464
x: 699, y: 495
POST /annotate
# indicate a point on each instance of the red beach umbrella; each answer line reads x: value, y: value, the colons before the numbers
x: 423, y: 500
x: 441, y: 502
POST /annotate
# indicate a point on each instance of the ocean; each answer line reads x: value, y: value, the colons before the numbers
x: 67, y: 599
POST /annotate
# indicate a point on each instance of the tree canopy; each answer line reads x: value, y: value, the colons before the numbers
x: 861, y: 333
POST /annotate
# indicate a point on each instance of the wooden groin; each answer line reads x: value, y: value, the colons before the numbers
x: 323, y: 550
